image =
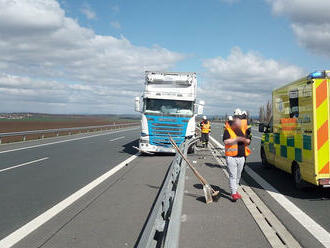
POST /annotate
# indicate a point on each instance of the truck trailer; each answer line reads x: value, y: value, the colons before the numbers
x: 296, y: 139
x: 168, y: 108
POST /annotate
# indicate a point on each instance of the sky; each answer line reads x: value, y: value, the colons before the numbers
x: 89, y: 56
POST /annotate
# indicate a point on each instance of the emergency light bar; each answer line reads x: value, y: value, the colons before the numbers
x: 318, y: 74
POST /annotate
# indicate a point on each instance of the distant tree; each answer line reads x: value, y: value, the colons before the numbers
x: 262, y: 114
x: 268, y: 111
x: 249, y: 117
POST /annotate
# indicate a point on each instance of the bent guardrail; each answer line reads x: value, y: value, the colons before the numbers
x: 57, y: 131
x: 163, y: 225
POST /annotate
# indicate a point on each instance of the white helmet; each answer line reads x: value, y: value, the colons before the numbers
x: 204, y: 117
x: 237, y: 112
x: 244, y: 112
x: 230, y: 118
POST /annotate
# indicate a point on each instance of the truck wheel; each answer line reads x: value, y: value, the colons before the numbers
x: 296, y: 175
x: 191, y: 149
x: 264, y: 159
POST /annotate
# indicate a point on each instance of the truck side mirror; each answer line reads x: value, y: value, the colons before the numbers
x: 137, y: 104
x: 261, y: 127
x: 200, y: 108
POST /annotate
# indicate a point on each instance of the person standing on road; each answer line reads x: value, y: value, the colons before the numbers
x: 246, y: 125
x: 246, y: 128
x: 205, y: 130
x: 236, y: 150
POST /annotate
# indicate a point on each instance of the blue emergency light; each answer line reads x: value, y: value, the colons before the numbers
x: 317, y: 74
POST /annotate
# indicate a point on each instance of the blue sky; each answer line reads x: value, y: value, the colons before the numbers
x: 200, y: 29
x: 73, y: 56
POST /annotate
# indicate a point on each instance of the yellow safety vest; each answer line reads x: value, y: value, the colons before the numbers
x: 206, y: 127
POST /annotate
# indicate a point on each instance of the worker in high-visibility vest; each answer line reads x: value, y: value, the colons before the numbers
x: 246, y: 128
x: 246, y: 124
x: 236, y: 150
x: 205, y: 126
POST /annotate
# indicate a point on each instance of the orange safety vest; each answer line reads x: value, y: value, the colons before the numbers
x: 232, y: 150
x: 206, y: 127
x: 244, y: 125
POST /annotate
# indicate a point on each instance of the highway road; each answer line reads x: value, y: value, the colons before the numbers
x: 92, y: 190
x: 38, y: 175
x: 314, y: 202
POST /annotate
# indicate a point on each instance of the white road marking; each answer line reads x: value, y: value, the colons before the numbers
x: 117, y: 138
x: 64, y: 141
x: 310, y: 225
x: 20, y: 165
x: 31, y: 226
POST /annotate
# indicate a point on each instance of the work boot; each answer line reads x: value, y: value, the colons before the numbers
x: 234, y: 197
x: 238, y: 196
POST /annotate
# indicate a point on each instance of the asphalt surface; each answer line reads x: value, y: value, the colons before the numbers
x: 222, y: 223
x: 315, y: 202
x: 37, y: 175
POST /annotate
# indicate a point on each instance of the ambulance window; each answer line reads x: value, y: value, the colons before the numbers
x: 294, y: 104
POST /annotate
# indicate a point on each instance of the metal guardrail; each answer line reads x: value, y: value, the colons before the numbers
x: 163, y: 225
x: 59, y: 130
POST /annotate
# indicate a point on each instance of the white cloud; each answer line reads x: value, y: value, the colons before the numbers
x: 88, y: 12
x: 37, y: 40
x: 243, y: 80
x: 310, y: 22
x: 51, y: 96
x: 115, y: 24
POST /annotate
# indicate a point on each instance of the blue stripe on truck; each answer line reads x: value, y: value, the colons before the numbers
x: 160, y: 127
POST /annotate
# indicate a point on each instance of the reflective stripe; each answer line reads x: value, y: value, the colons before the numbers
x: 322, y: 125
x: 232, y: 149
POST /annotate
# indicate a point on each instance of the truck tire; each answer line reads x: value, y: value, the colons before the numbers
x: 296, y: 175
x: 191, y: 149
x: 264, y: 161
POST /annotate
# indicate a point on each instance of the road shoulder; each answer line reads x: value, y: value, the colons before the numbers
x: 222, y: 223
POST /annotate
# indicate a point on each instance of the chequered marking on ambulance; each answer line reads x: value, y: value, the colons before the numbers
x: 321, y: 98
x: 296, y: 147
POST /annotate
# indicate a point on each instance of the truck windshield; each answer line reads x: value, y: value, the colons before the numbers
x: 168, y: 107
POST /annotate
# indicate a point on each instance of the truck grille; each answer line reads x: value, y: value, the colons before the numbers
x: 160, y: 127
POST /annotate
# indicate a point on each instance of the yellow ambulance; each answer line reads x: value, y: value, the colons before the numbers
x: 296, y: 139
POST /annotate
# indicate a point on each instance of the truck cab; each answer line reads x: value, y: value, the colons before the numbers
x: 168, y: 108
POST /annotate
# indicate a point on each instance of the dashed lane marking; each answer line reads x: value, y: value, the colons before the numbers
x: 23, y: 164
x: 117, y: 138
x: 64, y: 141
x: 31, y: 226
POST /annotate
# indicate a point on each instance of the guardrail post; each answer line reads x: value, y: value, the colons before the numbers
x: 0, y: 140
x: 57, y: 134
x: 42, y: 136
x: 24, y: 138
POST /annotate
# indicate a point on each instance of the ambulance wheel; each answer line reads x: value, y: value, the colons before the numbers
x: 264, y: 159
x: 296, y: 175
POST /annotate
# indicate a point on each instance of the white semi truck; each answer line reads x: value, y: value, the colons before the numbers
x: 168, y: 108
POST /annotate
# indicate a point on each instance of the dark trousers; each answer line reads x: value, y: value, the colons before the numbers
x: 205, y: 139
